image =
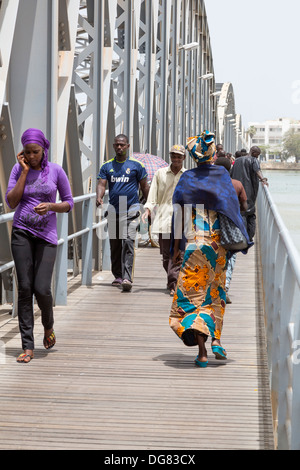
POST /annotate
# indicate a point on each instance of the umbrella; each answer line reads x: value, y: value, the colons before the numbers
x: 152, y: 163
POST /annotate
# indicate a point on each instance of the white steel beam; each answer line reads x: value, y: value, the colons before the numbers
x: 8, y: 16
x: 65, y: 29
x: 162, y: 76
x: 131, y: 66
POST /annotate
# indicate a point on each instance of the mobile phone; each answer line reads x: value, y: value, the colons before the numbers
x: 25, y: 161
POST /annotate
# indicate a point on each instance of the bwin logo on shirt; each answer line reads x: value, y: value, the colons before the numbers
x: 120, y: 179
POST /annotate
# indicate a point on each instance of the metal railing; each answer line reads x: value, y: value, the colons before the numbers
x: 60, y: 276
x: 280, y: 263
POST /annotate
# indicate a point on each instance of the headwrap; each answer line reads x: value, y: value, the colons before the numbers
x: 35, y: 136
x: 202, y: 147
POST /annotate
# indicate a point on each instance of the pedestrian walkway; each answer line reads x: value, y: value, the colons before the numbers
x: 119, y: 378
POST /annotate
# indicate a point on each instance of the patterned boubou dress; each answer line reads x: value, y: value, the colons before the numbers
x: 200, y: 299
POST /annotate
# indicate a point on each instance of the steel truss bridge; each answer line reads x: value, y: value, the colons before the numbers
x: 85, y: 70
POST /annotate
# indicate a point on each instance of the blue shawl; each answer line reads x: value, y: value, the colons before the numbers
x: 211, y: 186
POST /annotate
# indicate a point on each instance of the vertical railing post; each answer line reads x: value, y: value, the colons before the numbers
x: 106, y: 263
x: 15, y: 294
x: 61, y: 265
x: 87, y: 242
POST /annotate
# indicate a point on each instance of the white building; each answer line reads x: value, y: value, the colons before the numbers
x: 270, y: 134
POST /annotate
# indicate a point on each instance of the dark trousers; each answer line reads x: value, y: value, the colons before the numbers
x: 171, y: 269
x: 34, y: 261
x: 122, y: 233
x: 250, y: 222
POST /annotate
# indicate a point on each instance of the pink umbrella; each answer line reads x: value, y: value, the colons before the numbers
x: 152, y: 163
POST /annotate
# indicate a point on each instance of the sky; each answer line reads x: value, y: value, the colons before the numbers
x: 256, y: 46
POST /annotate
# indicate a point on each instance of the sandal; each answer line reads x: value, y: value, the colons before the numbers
x: 22, y: 357
x: 49, y: 341
x: 201, y: 364
x: 219, y: 352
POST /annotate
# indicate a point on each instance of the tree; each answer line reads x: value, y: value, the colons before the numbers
x: 291, y: 145
x: 252, y: 131
x: 264, y: 150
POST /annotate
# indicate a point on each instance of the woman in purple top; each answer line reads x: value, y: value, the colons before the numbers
x: 32, y: 190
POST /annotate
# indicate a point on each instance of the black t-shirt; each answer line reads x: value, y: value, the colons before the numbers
x: 245, y: 170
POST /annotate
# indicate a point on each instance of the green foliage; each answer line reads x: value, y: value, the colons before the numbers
x: 264, y: 149
x: 252, y: 131
x: 291, y: 145
x: 272, y: 150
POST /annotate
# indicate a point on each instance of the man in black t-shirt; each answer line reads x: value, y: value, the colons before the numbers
x: 247, y: 171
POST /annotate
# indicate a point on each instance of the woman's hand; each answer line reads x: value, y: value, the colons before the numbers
x: 42, y: 208
x: 24, y: 164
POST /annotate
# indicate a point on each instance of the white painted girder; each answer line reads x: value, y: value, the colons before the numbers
x: 123, y: 58
x: 63, y: 81
x: 8, y: 16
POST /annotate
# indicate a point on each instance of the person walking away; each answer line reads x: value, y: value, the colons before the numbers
x: 219, y: 152
x: 230, y: 157
x: 237, y: 154
x: 247, y: 170
x: 242, y: 197
x: 124, y: 175
x: 32, y: 189
x: 160, y: 197
x: 199, y: 302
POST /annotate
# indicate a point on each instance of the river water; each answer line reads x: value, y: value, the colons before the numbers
x: 284, y: 187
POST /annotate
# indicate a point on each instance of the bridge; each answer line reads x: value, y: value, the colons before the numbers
x: 118, y: 378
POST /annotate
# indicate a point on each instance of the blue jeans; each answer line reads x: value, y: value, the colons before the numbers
x: 230, y: 267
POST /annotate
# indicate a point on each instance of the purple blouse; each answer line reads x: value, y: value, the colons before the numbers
x: 35, y: 192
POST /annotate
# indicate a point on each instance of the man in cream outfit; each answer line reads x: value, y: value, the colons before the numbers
x: 160, y: 197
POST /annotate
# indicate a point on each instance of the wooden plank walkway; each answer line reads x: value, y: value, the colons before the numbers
x: 119, y: 378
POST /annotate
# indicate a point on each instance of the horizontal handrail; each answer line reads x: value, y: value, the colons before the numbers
x: 6, y: 267
x: 292, y: 252
x: 280, y: 262
x: 84, y: 197
x: 6, y: 217
x: 78, y: 234
x: 64, y: 238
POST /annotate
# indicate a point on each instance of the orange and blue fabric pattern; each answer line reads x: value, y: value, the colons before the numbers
x: 202, y: 147
x: 200, y: 298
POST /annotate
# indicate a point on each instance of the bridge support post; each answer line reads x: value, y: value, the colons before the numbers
x: 87, y: 242
x: 61, y: 265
